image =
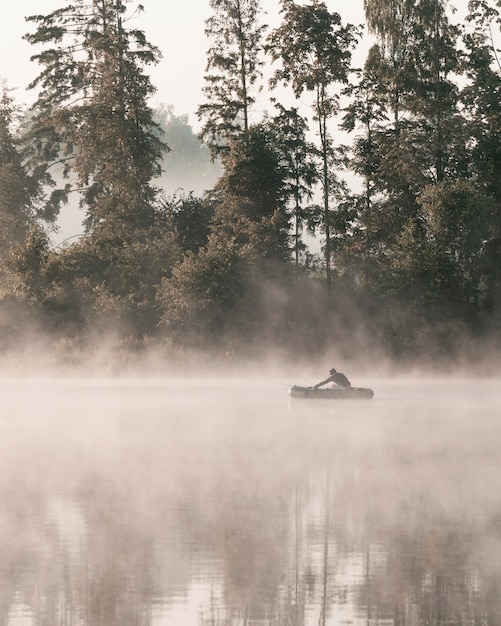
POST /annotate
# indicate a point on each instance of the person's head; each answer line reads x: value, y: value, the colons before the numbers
x: 332, y: 371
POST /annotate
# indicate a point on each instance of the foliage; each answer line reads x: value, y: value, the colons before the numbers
x: 19, y: 192
x: 91, y: 116
x: 460, y: 220
x: 190, y: 218
x: 28, y: 261
x: 297, y: 157
x: 481, y: 97
x: 114, y: 282
x: 233, y: 71
x: 250, y: 197
x: 412, y: 255
x: 205, y: 293
x: 409, y: 75
x: 314, y: 49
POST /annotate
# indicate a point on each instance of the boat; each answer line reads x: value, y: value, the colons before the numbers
x: 331, y: 393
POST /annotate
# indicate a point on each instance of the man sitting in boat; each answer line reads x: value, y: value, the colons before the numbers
x: 335, y: 377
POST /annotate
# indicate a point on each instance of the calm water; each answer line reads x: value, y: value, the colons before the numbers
x: 227, y: 503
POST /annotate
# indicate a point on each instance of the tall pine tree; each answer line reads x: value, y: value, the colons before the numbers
x: 16, y: 188
x: 92, y: 115
x: 233, y: 71
x: 314, y: 49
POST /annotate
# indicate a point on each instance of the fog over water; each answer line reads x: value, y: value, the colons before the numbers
x: 225, y: 501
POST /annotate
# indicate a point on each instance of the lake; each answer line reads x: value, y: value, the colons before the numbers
x: 225, y: 502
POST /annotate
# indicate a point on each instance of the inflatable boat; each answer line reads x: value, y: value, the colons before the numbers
x: 331, y: 393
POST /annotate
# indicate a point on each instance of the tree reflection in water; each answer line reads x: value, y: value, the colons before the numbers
x: 144, y: 504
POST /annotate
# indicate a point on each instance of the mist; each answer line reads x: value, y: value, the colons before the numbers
x: 210, y: 498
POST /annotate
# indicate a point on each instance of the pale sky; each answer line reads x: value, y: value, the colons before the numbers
x: 175, y: 27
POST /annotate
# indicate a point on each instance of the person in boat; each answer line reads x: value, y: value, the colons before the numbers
x: 337, y: 378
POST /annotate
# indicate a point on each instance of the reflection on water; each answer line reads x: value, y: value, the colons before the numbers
x: 210, y: 504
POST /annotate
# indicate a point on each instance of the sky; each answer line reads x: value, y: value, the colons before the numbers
x: 177, y: 28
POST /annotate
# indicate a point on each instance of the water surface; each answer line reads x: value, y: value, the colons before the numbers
x: 193, y: 503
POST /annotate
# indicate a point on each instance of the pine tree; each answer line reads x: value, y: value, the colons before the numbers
x: 297, y: 156
x: 314, y: 49
x: 92, y: 116
x: 20, y: 195
x: 233, y: 71
x: 16, y: 214
x: 92, y: 124
x: 250, y: 197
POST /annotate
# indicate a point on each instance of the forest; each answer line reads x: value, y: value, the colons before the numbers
x: 356, y: 215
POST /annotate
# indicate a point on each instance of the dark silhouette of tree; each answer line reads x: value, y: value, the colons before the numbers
x: 418, y: 60
x: 250, y: 197
x: 297, y: 156
x: 413, y: 136
x: 391, y: 22
x: 92, y: 120
x: 190, y: 217
x: 367, y: 111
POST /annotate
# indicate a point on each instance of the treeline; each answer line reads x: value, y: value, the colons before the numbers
x: 409, y: 264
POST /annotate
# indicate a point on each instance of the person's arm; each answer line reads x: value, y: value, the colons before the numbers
x: 327, y: 380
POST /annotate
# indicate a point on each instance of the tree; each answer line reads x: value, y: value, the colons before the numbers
x: 92, y: 124
x: 433, y: 98
x: 366, y: 110
x: 419, y: 55
x: 391, y: 22
x: 113, y: 287
x: 21, y: 199
x: 413, y: 133
x: 28, y: 261
x: 190, y: 219
x: 250, y: 197
x: 233, y: 71
x: 297, y: 157
x: 482, y: 95
x: 92, y: 117
x: 204, y: 298
x: 314, y: 49
x: 459, y: 221
x: 16, y: 187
